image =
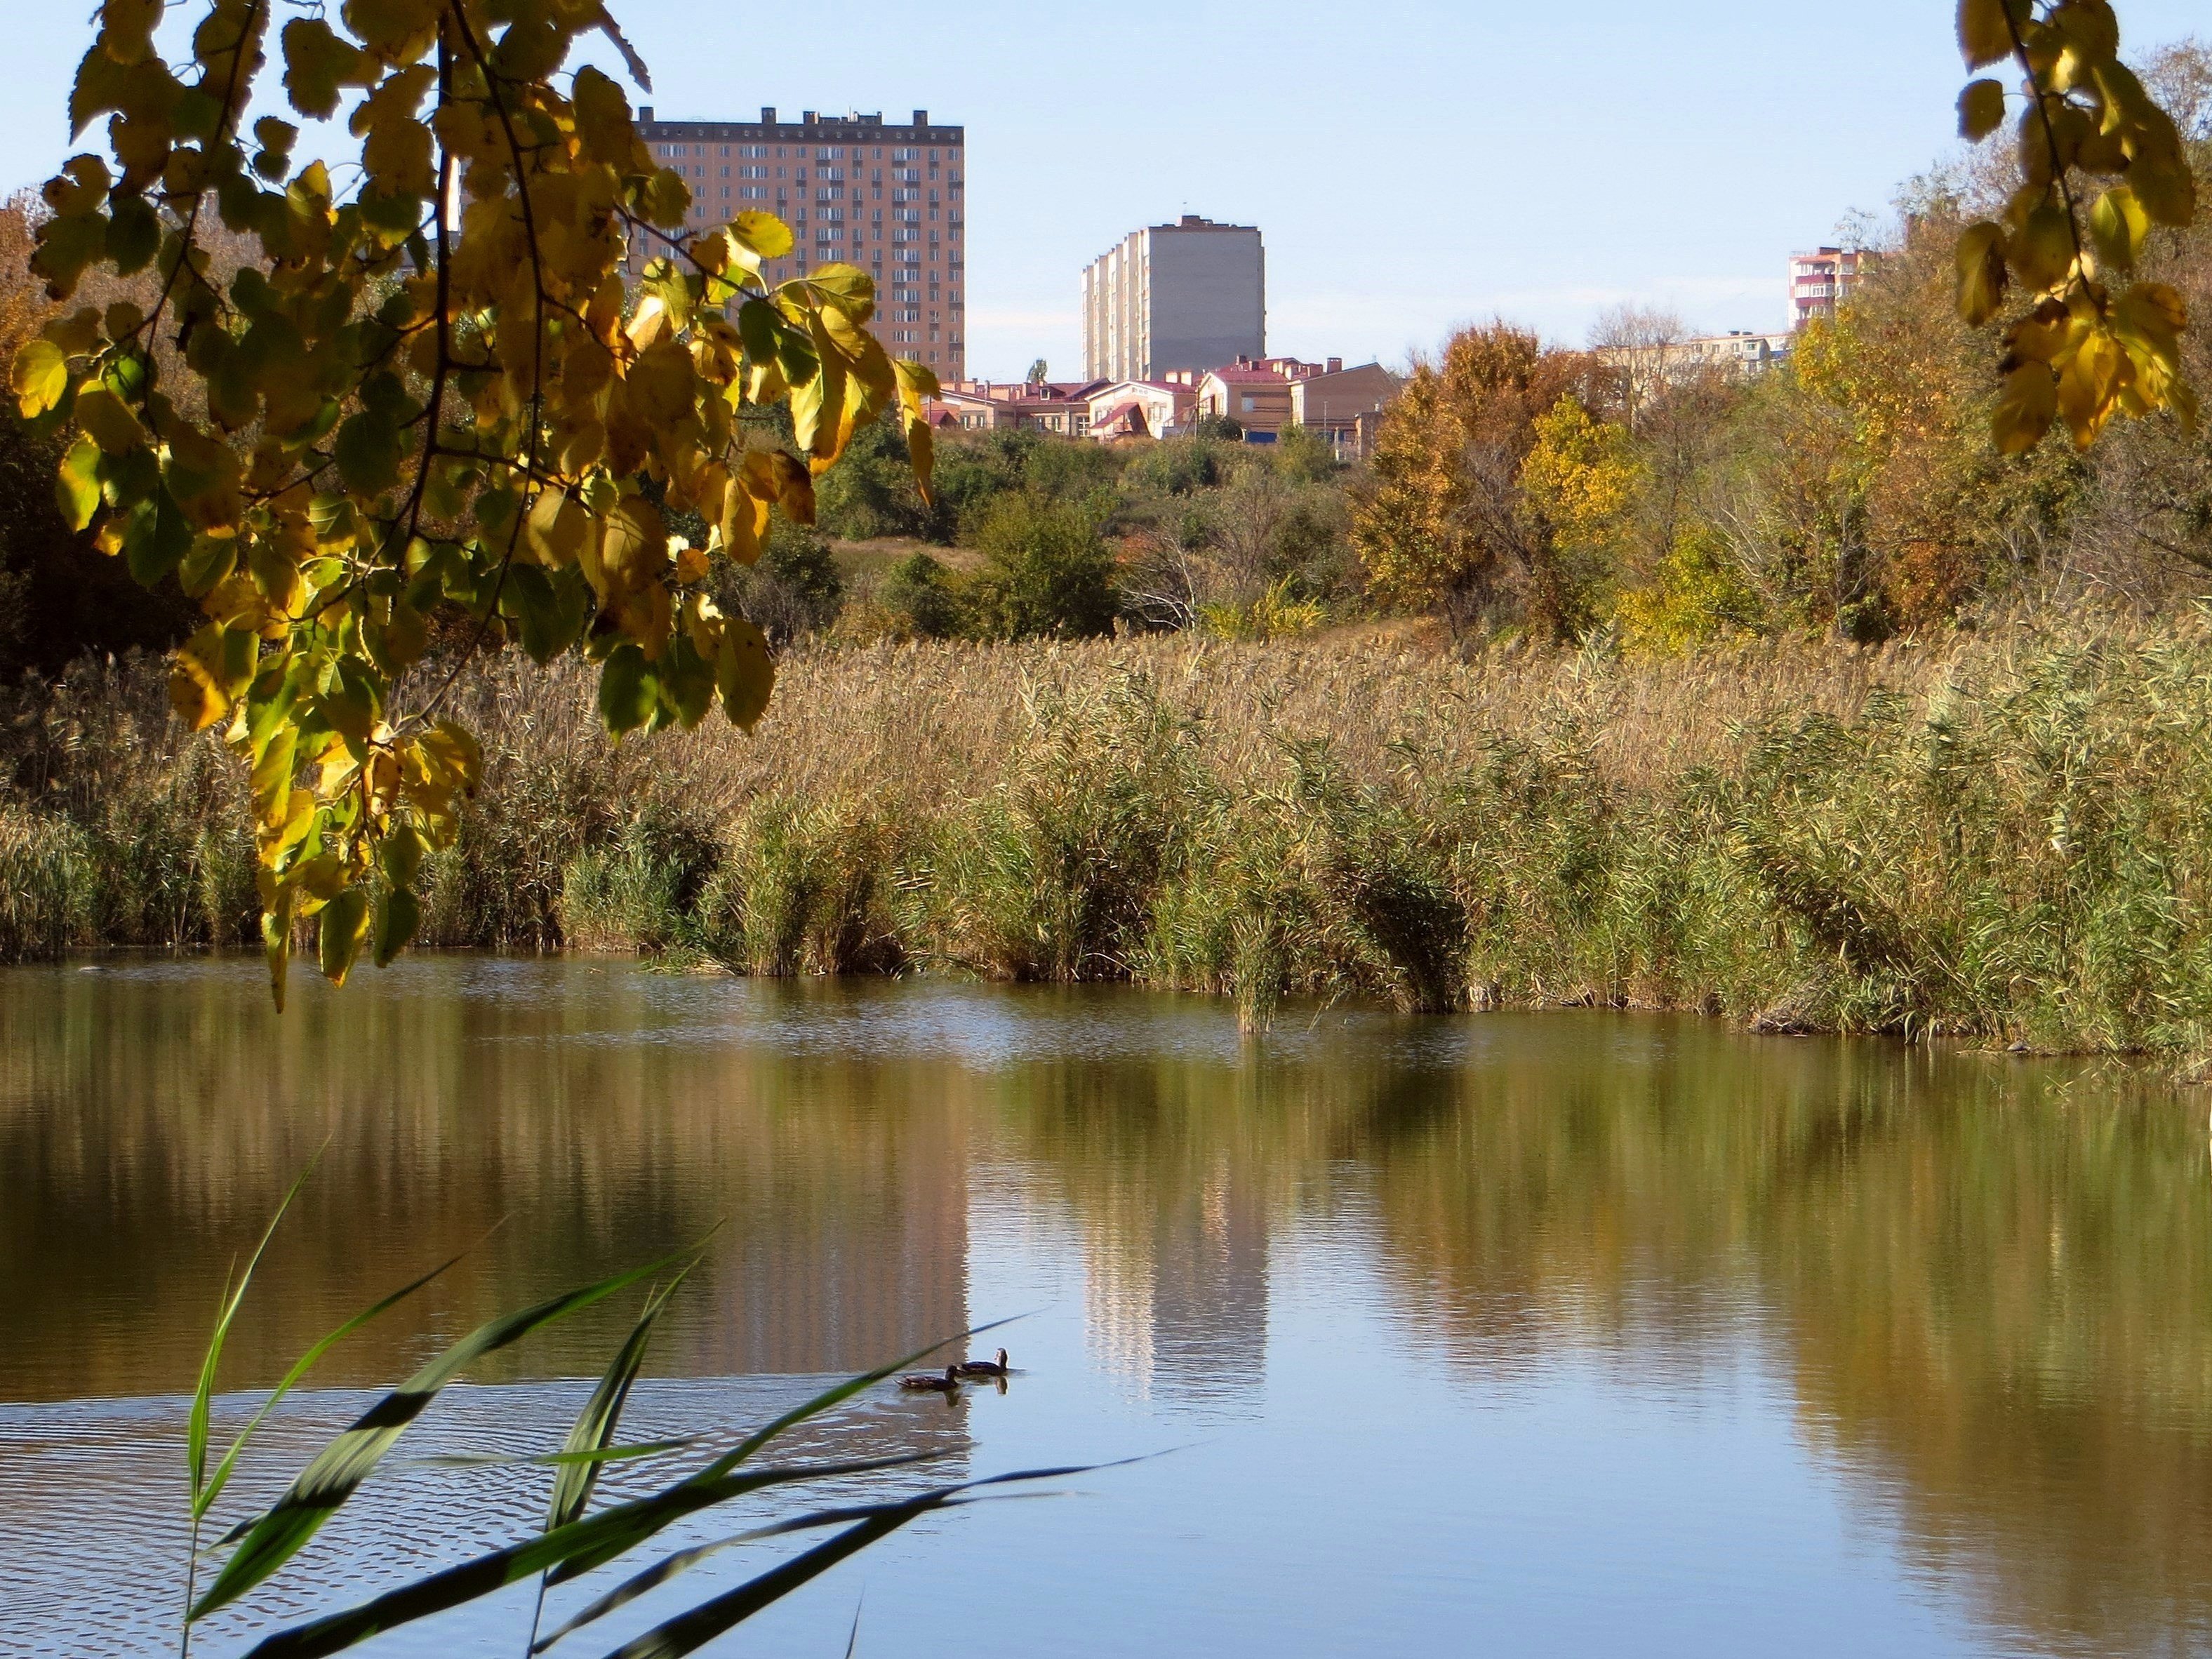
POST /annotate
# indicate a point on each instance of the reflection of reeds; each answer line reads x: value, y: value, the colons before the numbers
x: 1996, y: 837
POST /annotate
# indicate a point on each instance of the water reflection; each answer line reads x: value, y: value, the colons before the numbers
x: 1984, y: 1287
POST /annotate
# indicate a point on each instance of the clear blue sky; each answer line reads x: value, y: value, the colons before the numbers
x: 1413, y: 163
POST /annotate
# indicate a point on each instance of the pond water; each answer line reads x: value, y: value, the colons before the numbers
x: 1559, y: 1334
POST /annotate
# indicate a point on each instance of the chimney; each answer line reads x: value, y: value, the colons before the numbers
x: 1191, y: 220
x: 768, y: 115
x: 807, y: 117
x: 921, y: 118
x: 1336, y: 365
x: 645, y: 113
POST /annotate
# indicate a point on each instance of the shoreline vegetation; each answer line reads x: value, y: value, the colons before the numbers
x: 1999, y: 836
x: 1608, y: 676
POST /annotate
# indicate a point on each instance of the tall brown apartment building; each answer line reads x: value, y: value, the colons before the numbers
x: 888, y: 199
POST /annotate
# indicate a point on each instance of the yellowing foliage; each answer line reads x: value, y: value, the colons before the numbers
x: 429, y: 399
x: 2091, y: 344
x: 1438, y: 524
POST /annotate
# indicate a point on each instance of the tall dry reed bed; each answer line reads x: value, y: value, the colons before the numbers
x: 2003, y: 837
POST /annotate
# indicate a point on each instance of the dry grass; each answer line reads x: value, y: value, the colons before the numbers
x: 1999, y: 835
x: 939, y: 721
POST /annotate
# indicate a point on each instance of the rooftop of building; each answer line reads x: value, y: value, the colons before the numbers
x: 1194, y: 222
x: 809, y: 122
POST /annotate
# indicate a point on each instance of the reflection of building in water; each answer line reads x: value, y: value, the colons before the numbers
x: 1176, y: 1297
x: 864, y: 1254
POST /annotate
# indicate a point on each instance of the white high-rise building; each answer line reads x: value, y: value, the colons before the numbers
x: 1191, y: 295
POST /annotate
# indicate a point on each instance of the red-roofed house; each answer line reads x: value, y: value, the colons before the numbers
x: 1142, y: 409
x: 1258, y: 399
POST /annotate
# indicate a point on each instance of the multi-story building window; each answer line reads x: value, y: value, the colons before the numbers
x: 1190, y: 296
x: 1822, y: 279
x: 825, y: 146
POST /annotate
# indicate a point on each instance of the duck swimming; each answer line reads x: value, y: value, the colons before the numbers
x: 931, y: 1382
x: 985, y: 1367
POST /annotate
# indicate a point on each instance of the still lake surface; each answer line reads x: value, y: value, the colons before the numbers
x: 1559, y: 1334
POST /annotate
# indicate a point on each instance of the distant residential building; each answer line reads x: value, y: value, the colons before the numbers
x: 888, y: 199
x: 1333, y: 402
x: 1188, y: 295
x: 1821, y: 279
x: 1256, y: 392
x: 1738, y: 352
x: 1060, y: 407
x: 1143, y: 409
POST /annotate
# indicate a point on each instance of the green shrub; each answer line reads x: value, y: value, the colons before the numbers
x: 795, y: 589
x: 49, y: 886
x: 1048, y: 571
x: 919, y: 594
x: 643, y: 891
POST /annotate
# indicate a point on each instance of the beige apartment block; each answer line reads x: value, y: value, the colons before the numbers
x: 1737, y: 354
x: 1188, y: 295
x: 888, y: 198
x: 1332, y: 402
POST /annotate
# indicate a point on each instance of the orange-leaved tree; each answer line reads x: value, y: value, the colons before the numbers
x: 426, y: 415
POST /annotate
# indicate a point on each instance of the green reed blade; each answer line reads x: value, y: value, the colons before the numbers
x: 683, y: 1560
x: 196, y: 1424
x: 614, y: 1530
x: 688, y: 1631
x: 837, y: 1395
x: 488, y: 1461
x: 584, y: 1561
x: 301, y: 1367
x: 595, y: 1425
x: 340, y: 1467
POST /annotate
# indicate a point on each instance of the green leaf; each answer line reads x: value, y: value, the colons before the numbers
x: 134, y: 233
x: 367, y: 452
x: 76, y: 483
x: 1982, y: 36
x: 2117, y: 226
x: 196, y: 1421
x: 594, y: 1427
x: 155, y: 537
x: 681, y: 1561
x: 206, y: 1496
x: 688, y: 1631
x: 345, y: 922
x: 603, y: 1536
x: 338, y: 1471
x: 349, y: 703
x: 687, y: 681
x: 628, y: 689
x: 1981, y: 110
x: 398, y: 914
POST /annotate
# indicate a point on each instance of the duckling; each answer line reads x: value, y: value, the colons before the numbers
x: 931, y: 1382
x: 985, y: 1367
